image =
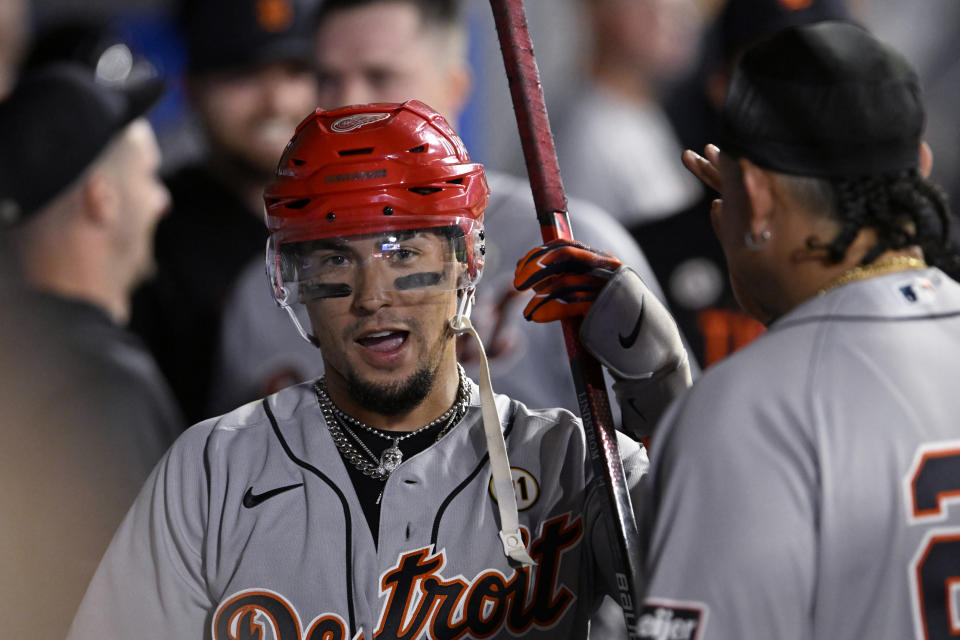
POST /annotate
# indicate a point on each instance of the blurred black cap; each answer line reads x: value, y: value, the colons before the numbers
x: 742, y: 23
x: 232, y: 35
x: 94, y: 42
x: 53, y: 125
x: 824, y: 100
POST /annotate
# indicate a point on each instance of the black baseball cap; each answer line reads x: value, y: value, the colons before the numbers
x: 53, y: 125
x: 824, y: 100
x: 94, y: 41
x: 232, y: 35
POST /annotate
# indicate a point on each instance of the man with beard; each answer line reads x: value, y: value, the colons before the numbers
x: 392, y: 497
x: 249, y: 82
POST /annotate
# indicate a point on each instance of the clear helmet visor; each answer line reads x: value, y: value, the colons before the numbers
x: 404, y: 265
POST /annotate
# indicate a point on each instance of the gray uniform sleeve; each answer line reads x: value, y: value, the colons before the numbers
x: 150, y: 583
x: 732, y: 499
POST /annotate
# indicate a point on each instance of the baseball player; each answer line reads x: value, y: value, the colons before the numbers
x: 390, y: 51
x: 393, y: 497
x: 807, y: 486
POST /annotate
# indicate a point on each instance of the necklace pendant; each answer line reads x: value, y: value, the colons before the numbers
x: 391, y: 458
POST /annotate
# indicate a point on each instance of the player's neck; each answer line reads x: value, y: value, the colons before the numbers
x: 77, y: 265
x: 816, y: 275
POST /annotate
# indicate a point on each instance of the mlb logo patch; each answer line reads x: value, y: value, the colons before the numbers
x: 672, y: 620
x: 919, y: 290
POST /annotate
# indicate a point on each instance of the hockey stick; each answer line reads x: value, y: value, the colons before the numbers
x: 551, y: 204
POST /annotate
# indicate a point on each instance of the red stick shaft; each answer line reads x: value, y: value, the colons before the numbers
x: 551, y: 203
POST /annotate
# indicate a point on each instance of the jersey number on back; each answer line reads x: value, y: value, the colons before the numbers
x: 931, y: 485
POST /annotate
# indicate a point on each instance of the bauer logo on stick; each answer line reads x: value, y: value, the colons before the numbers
x: 354, y: 122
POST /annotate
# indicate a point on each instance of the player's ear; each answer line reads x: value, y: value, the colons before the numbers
x: 100, y: 197
x: 760, y: 189
x: 926, y: 159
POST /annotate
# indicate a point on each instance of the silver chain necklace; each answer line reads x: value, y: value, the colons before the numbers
x: 381, y: 467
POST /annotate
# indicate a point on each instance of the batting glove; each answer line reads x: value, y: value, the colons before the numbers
x: 566, y: 277
x: 625, y: 326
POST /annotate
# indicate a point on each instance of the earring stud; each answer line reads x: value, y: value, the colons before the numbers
x: 754, y: 242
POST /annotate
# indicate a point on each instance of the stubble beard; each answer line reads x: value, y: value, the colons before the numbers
x: 395, y: 398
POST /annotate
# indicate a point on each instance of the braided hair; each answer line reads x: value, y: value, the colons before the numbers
x: 904, y: 209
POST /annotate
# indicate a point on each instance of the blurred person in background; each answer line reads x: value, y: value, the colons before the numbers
x: 85, y: 411
x: 14, y: 34
x: 682, y: 248
x: 250, y: 83
x: 616, y: 145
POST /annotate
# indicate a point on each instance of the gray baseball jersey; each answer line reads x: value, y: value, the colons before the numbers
x: 262, y: 352
x: 250, y: 525
x: 807, y: 486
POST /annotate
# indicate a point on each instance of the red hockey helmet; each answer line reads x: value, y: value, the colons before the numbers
x: 372, y: 169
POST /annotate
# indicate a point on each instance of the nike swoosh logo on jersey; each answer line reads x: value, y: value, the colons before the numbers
x: 251, y: 499
x: 627, y: 341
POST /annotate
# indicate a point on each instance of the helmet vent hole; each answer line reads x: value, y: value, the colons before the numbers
x: 355, y: 152
x: 297, y: 162
x: 424, y: 191
x: 297, y: 204
x: 455, y: 181
x: 419, y: 149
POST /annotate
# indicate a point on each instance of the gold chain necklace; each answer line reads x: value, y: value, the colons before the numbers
x: 880, y: 267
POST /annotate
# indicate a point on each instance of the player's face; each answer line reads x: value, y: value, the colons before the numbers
x: 379, y: 311
x: 143, y: 199
x: 251, y: 115
x: 382, y: 53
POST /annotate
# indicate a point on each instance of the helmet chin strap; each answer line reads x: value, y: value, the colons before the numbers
x: 309, y: 337
x: 510, y: 535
